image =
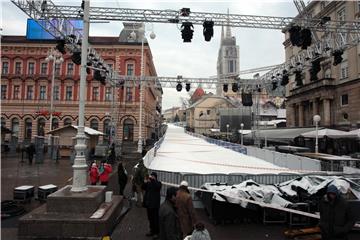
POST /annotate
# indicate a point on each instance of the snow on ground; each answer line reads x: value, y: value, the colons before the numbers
x: 181, y: 152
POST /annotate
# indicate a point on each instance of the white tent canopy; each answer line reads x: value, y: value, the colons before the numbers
x: 181, y: 152
x: 331, y: 133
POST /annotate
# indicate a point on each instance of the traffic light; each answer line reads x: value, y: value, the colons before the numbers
x: 208, y: 30
x: 187, y: 30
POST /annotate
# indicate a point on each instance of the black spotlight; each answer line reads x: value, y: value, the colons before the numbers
x: 76, y: 58
x: 43, y: 6
x: 337, y: 54
x: 234, y: 87
x: 208, y: 30
x: 285, y: 78
x: 306, y: 38
x: 314, y: 70
x: 187, y: 87
x: 185, y: 12
x: 298, y: 78
x: 225, y: 87
x: 187, y: 30
x: 61, y: 46
x: 295, y: 36
x: 274, y: 85
x: 88, y: 70
x: 100, y: 76
x: 179, y: 87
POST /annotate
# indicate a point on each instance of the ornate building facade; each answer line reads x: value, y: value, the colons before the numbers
x: 26, y: 89
x: 335, y: 95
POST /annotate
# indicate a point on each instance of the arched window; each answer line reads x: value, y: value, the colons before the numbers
x: 128, y: 130
x: 3, y: 122
x: 67, y: 121
x: 327, y: 73
x: 94, y: 124
x: 107, y: 130
x: 28, y: 129
x: 15, y: 126
x: 55, y: 123
x: 41, y: 127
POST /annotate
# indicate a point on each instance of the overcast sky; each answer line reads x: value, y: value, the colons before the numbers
x: 172, y: 57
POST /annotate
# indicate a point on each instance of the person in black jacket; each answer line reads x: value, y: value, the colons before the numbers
x: 152, y: 189
x: 122, y: 177
x: 30, y: 152
x: 336, y: 220
x: 168, y: 219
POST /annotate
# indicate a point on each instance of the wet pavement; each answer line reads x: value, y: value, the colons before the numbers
x: 133, y: 224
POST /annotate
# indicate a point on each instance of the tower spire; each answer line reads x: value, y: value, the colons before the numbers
x: 228, y: 30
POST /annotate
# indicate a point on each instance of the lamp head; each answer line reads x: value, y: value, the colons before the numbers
x: 242, y: 125
x: 317, y: 118
x: 152, y: 35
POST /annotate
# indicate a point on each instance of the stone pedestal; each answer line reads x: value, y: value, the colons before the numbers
x: 66, y: 215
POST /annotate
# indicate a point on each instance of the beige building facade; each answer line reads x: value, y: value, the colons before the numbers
x: 335, y: 96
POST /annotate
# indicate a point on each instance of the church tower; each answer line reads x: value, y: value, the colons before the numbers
x: 228, y: 62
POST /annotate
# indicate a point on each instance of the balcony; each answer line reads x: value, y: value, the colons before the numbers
x: 321, y: 83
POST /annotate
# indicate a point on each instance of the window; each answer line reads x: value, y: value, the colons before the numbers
x: 3, y: 122
x: 70, y: 69
x: 95, y: 94
x: 94, y: 124
x: 57, y: 69
x: 5, y: 68
x: 16, y: 94
x: 208, y: 112
x: 42, y: 93
x: 106, y: 130
x: 29, y: 92
x: 31, y: 68
x: 110, y: 65
x: 231, y: 66
x: 67, y: 122
x: 18, y: 68
x: 344, y: 100
x: 15, y: 126
x: 28, y: 128
x: 341, y: 14
x: 108, y: 95
x: 3, y: 91
x: 41, y: 127
x: 56, y: 93
x: 128, y: 94
x: 68, y: 93
x: 130, y: 69
x: 43, y: 69
x: 344, y: 70
x: 55, y: 123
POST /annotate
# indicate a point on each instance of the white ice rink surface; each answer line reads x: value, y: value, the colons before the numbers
x: 181, y: 152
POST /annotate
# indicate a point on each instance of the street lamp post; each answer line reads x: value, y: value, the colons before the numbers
x: 227, y: 131
x: 316, y: 119
x: 80, y: 166
x: 56, y: 58
x: 242, y: 134
x: 152, y: 36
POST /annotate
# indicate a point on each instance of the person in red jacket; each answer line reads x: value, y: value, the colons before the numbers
x: 94, y: 174
x: 105, y: 170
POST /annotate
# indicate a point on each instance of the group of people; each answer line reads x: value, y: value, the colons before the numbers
x: 175, y: 218
x: 100, y: 173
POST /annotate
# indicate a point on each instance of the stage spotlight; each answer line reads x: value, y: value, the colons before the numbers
x: 234, y: 87
x: 187, y: 30
x: 88, y: 70
x: 225, y: 87
x: 295, y: 36
x: 61, y: 46
x: 337, y: 54
x: 306, y: 38
x: 185, y: 12
x: 246, y: 99
x: 76, y: 58
x: 179, y: 87
x: 208, y: 30
x: 285, y: 78
x: 100, y: 76
x: 274, y: 85
x: 187, y: 87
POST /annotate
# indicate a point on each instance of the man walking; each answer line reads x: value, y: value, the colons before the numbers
x: 169, y: 222
x: 30, y: 152
x: 336, y: 219
x: 185, y: 209
x: 152, y: 189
